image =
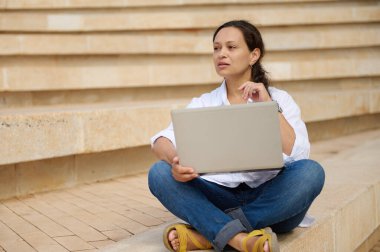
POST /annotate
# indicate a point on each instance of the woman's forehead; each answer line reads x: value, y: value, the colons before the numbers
x: 229, y: 34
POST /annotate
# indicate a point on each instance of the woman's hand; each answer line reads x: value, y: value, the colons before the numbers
x: 255, y: 91
x: 182, y: 173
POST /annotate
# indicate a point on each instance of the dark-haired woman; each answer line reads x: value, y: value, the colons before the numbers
x: 237, y: 209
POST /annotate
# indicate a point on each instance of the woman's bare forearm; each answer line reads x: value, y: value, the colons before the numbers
x: 164, y: 149
x: 288, y: 135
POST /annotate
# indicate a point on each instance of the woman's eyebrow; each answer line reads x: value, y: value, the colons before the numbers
x: 227, y: 42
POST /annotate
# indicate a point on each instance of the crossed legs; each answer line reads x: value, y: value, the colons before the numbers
x: 219, y: 213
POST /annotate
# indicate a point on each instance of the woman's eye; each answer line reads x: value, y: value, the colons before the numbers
x: 231, y: 47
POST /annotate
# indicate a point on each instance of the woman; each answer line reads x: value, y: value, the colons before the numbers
x: 240, y: 209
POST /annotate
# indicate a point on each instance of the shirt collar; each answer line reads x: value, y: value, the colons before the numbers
x: 225, y: 100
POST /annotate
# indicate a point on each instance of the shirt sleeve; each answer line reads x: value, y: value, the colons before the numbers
x: 292, y: 113
x: 167, y: 133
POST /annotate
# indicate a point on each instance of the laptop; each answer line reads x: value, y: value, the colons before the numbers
x: 235, y: 138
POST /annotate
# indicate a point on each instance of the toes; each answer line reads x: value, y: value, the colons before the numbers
x: 266, y: 247
x: 173, y: 239
x: 175, y: 244
x: 172, y: 235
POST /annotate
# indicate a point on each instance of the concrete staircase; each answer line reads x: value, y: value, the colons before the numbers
x: 84, y: 84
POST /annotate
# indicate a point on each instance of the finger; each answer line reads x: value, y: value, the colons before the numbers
x: 243, y: 86
x: 179, y: 169
x: 185, y: 177
x: 185, y: 170
x: 247, y: 92
x: 175, y: 160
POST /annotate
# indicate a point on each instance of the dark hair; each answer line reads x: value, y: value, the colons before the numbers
x: 253, y: 40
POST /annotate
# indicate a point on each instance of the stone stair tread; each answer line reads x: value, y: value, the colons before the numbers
x: 91, y: 107
x: 11, y: 4
x: 180, y: 42
x: 126, y: 71
x: 61, y: 131
x: 187, y: 17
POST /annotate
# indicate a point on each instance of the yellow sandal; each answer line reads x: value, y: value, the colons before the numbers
x: 183, y: 234
x: 264, y: 235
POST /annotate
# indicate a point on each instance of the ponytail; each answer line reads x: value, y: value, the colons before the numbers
x: 259, y: 75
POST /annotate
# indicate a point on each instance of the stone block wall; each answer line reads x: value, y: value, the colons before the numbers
x: 84, y: 84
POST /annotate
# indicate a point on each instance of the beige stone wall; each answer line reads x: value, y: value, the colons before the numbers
x: 93, y: 79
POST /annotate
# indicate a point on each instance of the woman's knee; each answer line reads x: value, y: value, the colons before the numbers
x: 158, y: 173
x: 312, y: 173
x: 316, y: 174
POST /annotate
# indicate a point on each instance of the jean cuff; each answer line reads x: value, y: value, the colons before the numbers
x: 226, y: 233
x: 238, y: 214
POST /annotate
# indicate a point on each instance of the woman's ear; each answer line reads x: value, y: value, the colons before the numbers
x: 254, y: 56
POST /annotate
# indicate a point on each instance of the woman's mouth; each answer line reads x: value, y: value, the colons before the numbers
x: 222, y: 65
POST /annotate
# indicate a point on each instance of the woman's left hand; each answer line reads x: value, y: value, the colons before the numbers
x: 255, y: 91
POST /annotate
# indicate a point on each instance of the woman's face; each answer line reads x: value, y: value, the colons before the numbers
x: 232, y: 57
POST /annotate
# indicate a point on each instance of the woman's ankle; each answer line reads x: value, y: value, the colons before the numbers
x: 237, y: 241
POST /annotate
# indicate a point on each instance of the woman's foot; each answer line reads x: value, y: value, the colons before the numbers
x: 174, y: 240
x: 241, y: 243
x: 251, y: 243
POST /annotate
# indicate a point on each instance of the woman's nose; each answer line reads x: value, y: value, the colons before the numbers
x: 222, y: 53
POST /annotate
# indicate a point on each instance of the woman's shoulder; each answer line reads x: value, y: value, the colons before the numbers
x: 212, y: 98
x: 277, y: 92
x: 285, y: 100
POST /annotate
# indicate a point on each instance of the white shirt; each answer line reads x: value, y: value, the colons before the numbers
x: 291, y: 112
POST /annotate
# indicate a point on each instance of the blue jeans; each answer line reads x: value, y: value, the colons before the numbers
x: 219, y: 212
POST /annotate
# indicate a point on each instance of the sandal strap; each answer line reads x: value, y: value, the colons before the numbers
x: 260, y: 242
x: 197, y: 243
x: 182, y: 237
x: 257, y: 232
x: 184, y: 233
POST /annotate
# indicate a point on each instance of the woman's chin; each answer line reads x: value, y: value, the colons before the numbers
x: 223, y: 73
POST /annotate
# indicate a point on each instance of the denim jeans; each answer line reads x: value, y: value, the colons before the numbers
x: 219, y: 212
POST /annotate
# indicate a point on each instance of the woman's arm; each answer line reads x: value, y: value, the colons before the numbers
x: 164, y: 149
x: 288, y: 136
x: 258, y: 93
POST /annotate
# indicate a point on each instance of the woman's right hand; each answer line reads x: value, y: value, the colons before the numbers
x: 182, y: 173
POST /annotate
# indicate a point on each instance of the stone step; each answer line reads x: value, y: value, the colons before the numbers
x: 40, y: 133
x: 347, y: 211
x: 190, y: 42
x: 25, y: 178
x: 188, y: 17
x: 46, y: 132
x: 298, y: 89
x: 74, y: 4
x: 108, y: 95
x: 83, y: 72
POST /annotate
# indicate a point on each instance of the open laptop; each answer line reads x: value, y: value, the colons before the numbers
x: 233, y: 138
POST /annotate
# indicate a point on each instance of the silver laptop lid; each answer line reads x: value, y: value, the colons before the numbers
x: 229, y: 138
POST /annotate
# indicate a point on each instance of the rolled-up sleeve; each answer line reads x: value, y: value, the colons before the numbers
x: 167, y: 133
x: 292, y: 113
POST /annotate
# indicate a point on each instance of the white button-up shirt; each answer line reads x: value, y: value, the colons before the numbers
x: 292, y: 113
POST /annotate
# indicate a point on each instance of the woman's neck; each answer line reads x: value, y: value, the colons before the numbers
x: 234, y: 95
